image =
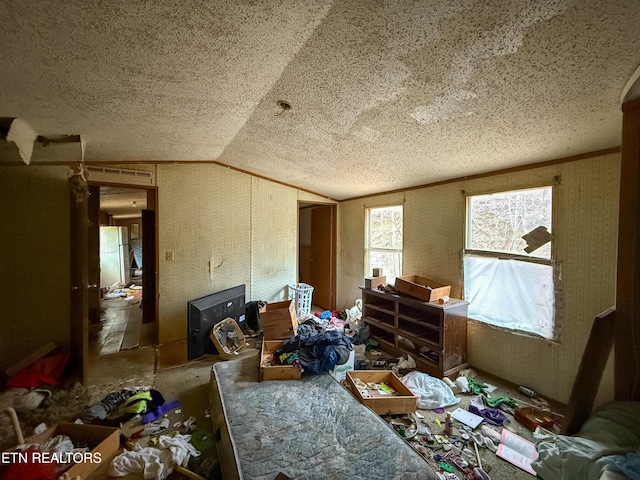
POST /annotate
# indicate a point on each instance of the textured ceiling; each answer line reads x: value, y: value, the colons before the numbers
x: 383, y: 94
x: 123, y: 202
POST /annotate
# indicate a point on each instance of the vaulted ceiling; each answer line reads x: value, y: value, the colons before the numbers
x: 382, y: 94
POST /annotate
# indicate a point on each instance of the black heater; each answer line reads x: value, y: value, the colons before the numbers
x: 204, y: 312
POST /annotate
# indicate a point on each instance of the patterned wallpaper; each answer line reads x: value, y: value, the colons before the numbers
x: 586, y: 214
x: 222, y: 228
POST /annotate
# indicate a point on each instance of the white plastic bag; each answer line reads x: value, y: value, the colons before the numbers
x: 432, y: 392
x: 354, y: 316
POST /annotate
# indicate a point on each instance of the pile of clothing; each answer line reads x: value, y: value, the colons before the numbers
x: 120, y: 406
x: 314, y: 349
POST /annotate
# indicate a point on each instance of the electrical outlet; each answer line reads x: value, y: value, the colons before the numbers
x: 169, y: 256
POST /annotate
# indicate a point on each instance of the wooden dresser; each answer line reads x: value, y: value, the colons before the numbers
x: 434, y: 335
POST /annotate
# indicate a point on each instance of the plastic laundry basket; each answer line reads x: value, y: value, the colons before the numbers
x: 301, y: 294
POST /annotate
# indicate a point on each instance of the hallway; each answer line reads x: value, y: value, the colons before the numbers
x: 120, y: 327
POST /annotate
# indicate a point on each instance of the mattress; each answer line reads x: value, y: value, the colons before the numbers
x: 311, y: 428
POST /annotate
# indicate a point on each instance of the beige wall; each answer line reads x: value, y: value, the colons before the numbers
x: 34, y: 260
x: 225, y: 228
x: 585, y: 231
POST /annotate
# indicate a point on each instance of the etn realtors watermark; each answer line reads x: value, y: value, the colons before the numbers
x: 50, y: 457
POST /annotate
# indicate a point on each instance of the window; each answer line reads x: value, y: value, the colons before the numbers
x: 383, y: 242
x: 508, y: 268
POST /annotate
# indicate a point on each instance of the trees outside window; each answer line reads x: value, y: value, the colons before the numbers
x: 383, y: 241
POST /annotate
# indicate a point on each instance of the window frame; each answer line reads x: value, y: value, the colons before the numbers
x: 367, y: 240
x: 551, y: 261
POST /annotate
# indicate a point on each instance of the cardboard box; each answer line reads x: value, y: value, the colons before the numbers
x: 423, y: 288
x: 340, y: 371
x: 103, y: 441
x: 227, y: 349
x: 278, y: 320
x: 276, y: 372
x: 402, y: 402
x: 374, y: 282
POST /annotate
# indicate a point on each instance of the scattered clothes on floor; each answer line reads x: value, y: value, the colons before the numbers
x: 23, y: 399
x: 155, y: 462
x: 492, y: 416
x: 152, y: 428
x: 108, y: 404
x: 141, y: 402
x: 288, y: 358
x: 120, y: 406
x: 61, y: 454
x: 314, y: 349
x: 155, y: 413
x: 319, y: 351
x: 477, y: 387
x: 44, y: 371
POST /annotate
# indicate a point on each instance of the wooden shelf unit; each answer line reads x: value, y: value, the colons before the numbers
x: 434, y: 335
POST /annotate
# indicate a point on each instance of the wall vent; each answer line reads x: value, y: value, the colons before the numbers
x: 120, y: 175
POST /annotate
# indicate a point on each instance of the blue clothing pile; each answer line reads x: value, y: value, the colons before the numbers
x: 319, y: 350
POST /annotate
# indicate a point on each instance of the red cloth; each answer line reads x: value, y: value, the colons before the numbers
x: 45, y: 371
x: 29, y: 470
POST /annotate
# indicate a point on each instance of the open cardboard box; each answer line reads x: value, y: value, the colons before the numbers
x: 103, y: 442
x: 278, y: 320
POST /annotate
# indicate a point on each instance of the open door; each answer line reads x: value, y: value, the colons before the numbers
x: 132, y: 210
x: 150, y: 262
x: 79, y: 236
x: 317, y: 251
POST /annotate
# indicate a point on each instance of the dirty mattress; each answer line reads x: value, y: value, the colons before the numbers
x: 311, y: 428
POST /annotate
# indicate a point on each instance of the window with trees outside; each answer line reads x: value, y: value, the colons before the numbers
x: 508, y: 260
x: 383, y: 241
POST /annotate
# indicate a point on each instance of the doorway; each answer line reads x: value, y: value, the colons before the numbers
x: 122, y: 263
x: 317, y: 251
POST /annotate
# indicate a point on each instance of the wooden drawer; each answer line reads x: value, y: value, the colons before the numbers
x: 276, y: 372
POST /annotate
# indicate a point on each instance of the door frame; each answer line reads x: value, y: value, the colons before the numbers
x: 79, y: 259
x: 80, y: 267
x: 332, y: 229
x: 152, y: 204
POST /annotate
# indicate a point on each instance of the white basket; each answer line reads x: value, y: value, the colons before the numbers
x: 301, y: 294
